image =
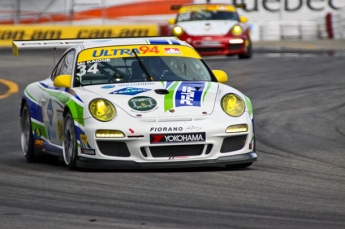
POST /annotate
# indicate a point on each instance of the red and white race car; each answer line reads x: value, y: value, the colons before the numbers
x: 212, y: 29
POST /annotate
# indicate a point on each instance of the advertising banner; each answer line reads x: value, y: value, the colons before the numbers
x: 37, y: 32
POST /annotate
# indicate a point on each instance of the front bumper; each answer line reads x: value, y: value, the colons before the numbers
x: 217, y: 45
x: 84, y: 162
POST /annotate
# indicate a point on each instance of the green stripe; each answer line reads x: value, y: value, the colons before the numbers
x: 169, y: 98
x: 76, y: 109
x: 249, y: 105
x: 205, y: 91
x: 31, y: 97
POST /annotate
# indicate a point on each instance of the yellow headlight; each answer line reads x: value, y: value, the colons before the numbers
x: 102, y: 110
x: 177, y: 31
x: 236, y: 30
x: 237, y: 128
x: 233, y: 105
x: 109, y: 134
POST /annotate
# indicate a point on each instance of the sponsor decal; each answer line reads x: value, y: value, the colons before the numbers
x: 166, y: 129
x: 51, y: 133
x: 108, y: 86
x: 178, y: 157
x: 83, y: 140
x: 172, y: 51
x: 193, y: 128
x: 135, y: 84
x: 142, y: 103
x: 185, y: 94
x: 38, y: 143
x: 95, y: 61
x: 60, y: 124
x: 87, y: 151
x: 37, y: 133
x: 50, y: 112
x: 141, y: 50
x: 177, y: 138
x: 130, y: 91
x: 189, y: 94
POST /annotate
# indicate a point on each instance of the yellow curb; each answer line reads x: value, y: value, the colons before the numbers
x: 13, y: 88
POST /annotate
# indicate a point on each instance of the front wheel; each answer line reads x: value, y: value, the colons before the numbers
x: 70, y: 150
x: 26, y: 136
x: 249, y: 52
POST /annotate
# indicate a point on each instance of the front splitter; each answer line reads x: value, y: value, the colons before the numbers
x: 84, y: 162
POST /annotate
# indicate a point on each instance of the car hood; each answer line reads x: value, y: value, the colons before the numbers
x: 207, y: 28
x: 160, y: 99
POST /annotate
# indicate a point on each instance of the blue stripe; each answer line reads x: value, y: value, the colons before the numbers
x: 52, y: 148
x: 35, y: 109
x: 68, y: 90
x: 159, y: 42
x: 175, y: 42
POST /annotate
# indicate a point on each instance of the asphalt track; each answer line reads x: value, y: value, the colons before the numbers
x: 298, y: 181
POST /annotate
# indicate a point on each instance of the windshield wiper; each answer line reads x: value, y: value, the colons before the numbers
x: 142, y: 65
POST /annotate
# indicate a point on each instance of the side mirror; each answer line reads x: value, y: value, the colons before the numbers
x: 172, y: 21
x: 243, y: 19
x: 63, y: 81
x: 220, y: 75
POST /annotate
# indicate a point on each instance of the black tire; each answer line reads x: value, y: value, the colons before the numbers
x: 26, y: 136
x: 249, y: 52
x: 69, y: 142
x: 239, y: 166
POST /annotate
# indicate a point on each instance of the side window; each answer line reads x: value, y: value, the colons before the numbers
x: 57, y: 69
x: 65, y: 65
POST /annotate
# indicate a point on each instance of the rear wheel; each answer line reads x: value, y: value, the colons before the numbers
x: 239, y: 166
x: 26, y: 136
x: 69, y: 142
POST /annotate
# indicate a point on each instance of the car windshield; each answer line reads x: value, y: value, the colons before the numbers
x: 131, y: 68
x: 207, y: 15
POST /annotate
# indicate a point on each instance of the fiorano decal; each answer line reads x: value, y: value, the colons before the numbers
x: 142, y: 103
x: 130, y: 91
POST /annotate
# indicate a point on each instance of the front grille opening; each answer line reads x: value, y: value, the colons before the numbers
x: 233, y: 143
x: 209, y: 148
x: 235, y: 46
x: 113, y: 148
x: 209, y: 49
x: 143, y: 151
x: 175, y: 151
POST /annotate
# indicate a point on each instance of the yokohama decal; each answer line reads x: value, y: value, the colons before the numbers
x: 177, y: 138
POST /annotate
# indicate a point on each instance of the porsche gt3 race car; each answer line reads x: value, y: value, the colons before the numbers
x: 135, y: 103
x: 212, y: 29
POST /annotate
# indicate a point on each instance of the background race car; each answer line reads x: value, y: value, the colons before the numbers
x: 212, y: 29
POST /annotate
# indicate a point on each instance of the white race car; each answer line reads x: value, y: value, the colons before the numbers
x: 135, y: 103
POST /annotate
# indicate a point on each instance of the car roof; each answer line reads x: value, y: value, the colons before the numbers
x: 82, y: 43
x: 133, y: 41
